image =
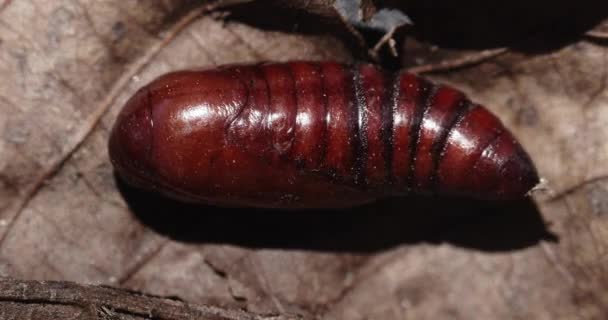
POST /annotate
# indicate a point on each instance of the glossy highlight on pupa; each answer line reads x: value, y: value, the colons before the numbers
x: 313, y: 135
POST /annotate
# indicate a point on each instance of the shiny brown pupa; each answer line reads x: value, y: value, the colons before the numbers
x: 313, y: 134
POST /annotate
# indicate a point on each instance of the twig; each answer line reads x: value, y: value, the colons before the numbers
x: 576, y: 187
x: 460, y: 62
x: 92, y: 300
x: 386, y: 39
x: 597, y: 34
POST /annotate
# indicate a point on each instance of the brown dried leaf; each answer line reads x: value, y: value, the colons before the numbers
x: 69, y: 66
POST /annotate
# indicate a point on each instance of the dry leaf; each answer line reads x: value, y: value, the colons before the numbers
x: 68, y: 66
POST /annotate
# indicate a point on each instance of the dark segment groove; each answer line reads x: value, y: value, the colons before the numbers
x: 470, y: 107
x: 325, y: 138
x: 389, y: 108
x: 440, y: 145
x: 361, y: 126
x: 352, y: 121
x: 422, y: 105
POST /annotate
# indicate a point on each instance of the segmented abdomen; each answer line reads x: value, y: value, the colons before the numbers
x: 356, y: 124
